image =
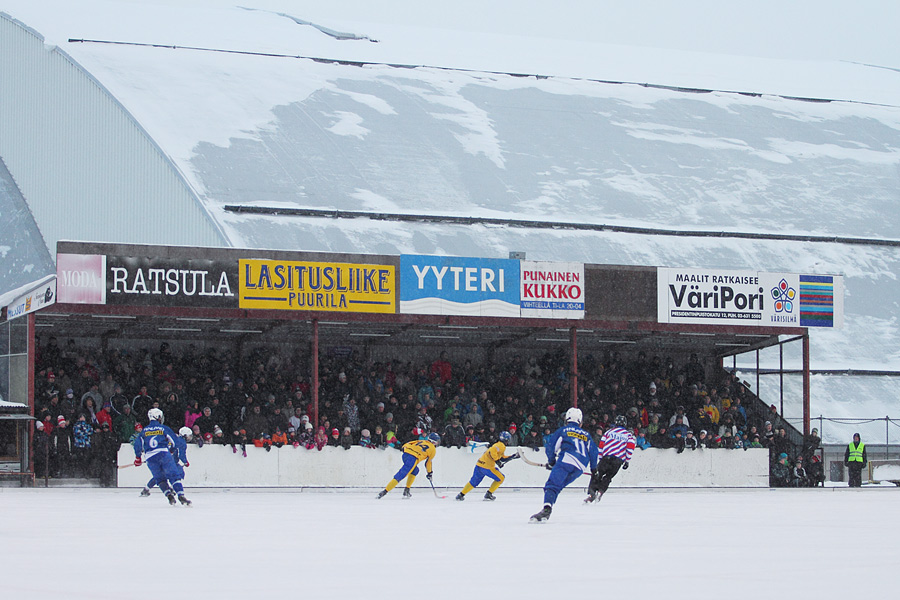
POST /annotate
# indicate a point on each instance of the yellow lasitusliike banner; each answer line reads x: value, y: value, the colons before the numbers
x: 290, y: 285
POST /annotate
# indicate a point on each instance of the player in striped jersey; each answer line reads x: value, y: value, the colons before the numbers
x: 616, y: 447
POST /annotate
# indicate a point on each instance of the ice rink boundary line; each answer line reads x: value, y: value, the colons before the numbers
x: 417, y: 489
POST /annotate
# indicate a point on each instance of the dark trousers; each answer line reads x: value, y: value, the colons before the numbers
x: 855, y: 469
x: 606, y: 470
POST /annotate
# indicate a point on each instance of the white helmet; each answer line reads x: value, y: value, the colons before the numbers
x: 154, y: 414
x: 185, y: 432
x: 574, y: 414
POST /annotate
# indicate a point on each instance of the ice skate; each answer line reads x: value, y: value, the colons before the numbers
x: 489, y: 496
x: 460, y: 496
x: 381, y: 494
x: 184, y: 501
x: 145, y: 492
x: 542, y: 516
x: 406, y: 493
x: 171, y: 498
x: 593, y: 497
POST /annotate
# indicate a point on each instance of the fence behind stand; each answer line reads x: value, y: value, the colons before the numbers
x: 218, y: 466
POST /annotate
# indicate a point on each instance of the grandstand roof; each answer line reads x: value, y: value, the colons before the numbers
x: 353, y: 126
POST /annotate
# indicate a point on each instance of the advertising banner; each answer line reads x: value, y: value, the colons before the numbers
x: 552, y: 290
x: 436, y: 285
x: 171, y: 282
x: 81, y: 278
x: 38, y: 298
x: 144, y: 281
x: 320, y: 286
x: 753, y: 298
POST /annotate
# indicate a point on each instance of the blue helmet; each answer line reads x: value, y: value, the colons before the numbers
x: 434, y: 438
x: 505, y: 437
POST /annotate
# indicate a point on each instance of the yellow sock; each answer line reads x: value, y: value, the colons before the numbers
x: 494, y: 486
x: 393, y: 483
x: 409, y: 480
x: 469, y: 487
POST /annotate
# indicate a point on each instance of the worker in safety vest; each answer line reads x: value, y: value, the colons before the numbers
x: 855, y: 459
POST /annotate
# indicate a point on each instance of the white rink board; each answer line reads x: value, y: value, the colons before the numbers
x: 218, y: 466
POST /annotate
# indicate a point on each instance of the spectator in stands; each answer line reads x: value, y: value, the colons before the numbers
x: 335, y: 439
x: 811, y: 444
x: 346, y: 438
x: 82, y: 432
x: 513, y: 435
x: 781, y: 472
x: 104, y: 455
x: 61, y: 449
x: 690, y: 442
x: 799, y: 477
x: 123, y: 424
x: 104, y: 415
x: 378, y: 437
x: 192, y: 413
x: 255, y: 423
x: 307, y: 438
x: 816, y: 472
x: 454, y: 434
x: 41, y: 446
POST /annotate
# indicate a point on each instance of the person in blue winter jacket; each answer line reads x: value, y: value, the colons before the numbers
x: 153, y: 443
x: 570, y: 451
x: 179, y: 452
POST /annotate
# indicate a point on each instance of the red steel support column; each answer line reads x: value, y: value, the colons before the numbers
x: 573, y: 336
x: 32, y: 354
x: 806, y: 383
x: 315, y: 371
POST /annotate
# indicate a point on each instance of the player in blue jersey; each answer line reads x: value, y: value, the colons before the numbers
x: 570, y: 451
x: 154, y: 443
x: 179, y: 452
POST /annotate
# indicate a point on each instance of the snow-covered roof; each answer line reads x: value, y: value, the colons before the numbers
x: 754, y: 120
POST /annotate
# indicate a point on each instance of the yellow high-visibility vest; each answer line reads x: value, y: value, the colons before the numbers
x: 856, y: 452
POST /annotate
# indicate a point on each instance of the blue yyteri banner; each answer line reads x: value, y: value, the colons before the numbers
x: 437, y: 285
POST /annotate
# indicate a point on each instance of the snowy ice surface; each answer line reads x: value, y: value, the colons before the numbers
x: 102, y: 544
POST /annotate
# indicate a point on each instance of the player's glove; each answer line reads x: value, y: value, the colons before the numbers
x: 429, y: 476
x: 548, y: 466
x: 137, y: 461
x: 624, y: 466
x: 187, y: 464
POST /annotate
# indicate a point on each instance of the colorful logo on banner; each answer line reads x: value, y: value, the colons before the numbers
x: 783, y: 295
x: 81, y: 278
x: 436, y: 285
x: 817, y: 301
x: 552, y: 290
x: 290, y: 285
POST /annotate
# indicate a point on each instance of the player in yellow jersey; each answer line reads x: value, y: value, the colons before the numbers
x: 489, y: 466
x: 414, y: 452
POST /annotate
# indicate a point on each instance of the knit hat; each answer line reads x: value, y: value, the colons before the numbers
x: 365, y: 433
x: 512, y: 427
x: 60, y: 420
x: 335, y: 431
x: 39, y: 424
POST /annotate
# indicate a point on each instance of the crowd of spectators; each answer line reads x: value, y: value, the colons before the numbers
x: 263, y: 399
